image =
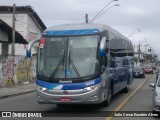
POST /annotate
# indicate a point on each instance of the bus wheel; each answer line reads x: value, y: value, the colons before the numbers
x: 143, y: 76
x: 107, y: 102
x: 125, y: 90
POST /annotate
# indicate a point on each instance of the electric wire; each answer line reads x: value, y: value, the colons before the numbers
x: 101, y: 11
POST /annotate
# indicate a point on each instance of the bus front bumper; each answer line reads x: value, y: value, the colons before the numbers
x: 81, y: 96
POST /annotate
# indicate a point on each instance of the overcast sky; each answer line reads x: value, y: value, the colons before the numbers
x: 126, y: 18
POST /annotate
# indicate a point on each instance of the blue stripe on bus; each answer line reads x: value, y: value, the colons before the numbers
x: 72, y: 32
x: 70, y: 86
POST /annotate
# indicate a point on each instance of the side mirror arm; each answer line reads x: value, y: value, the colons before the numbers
x: 30, y: 44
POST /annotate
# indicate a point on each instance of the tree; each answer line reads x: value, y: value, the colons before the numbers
x: 135, y: 60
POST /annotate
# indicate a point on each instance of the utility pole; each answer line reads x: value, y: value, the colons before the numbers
x: 139, y: 51
x: 86, y: 18
x: 13, y: 30
x: 146, y: 48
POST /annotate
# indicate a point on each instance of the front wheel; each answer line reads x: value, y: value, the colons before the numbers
x: 107, y: 102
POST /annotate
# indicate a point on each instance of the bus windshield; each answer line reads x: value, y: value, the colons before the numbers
x: 68, y: 57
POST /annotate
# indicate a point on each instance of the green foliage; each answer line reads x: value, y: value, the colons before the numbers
x: 135, y: 59
x: 149, y: 58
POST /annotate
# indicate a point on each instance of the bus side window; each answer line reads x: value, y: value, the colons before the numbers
x: 104, y: 60
x: 113, y: 63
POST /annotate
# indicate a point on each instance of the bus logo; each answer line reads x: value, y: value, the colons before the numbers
x: 90, y: 83
x: 69, y: 73
x: 65, y: 92
x: 67, y: 81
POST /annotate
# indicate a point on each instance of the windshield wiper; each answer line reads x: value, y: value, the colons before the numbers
x: 74, y: 67
x: 56, y: 69
x: 58, y: 66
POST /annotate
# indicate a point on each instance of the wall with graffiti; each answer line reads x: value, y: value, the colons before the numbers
x: 16, y: 70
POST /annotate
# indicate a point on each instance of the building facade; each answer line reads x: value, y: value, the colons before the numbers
x: 6, y: 38
x: 27, y: 23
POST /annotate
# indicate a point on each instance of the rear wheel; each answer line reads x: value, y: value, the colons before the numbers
x: 143, y: 76
x: 126, y: 89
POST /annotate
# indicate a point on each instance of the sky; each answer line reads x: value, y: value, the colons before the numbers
x: 126, y: 18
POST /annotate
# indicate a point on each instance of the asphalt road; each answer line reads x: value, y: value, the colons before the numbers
x: 139, y: 101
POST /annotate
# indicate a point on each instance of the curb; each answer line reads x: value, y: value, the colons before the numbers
x: 17, y: 94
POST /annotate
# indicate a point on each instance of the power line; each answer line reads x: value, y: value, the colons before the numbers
x: 49, y: 18
x: 102, y: 10
x: 58, y: 18
x: 62, y: 19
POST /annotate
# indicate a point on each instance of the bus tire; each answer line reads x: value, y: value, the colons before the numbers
x: 126, y: 89
x: 107, y: 102
x: 109, y: 97
x: 143, y: 76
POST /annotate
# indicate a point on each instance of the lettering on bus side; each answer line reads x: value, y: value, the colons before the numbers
x: 90, y: 83
x: 62, y: 81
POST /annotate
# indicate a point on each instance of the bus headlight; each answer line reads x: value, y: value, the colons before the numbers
x: 90, y: 88
x: 41, y: 88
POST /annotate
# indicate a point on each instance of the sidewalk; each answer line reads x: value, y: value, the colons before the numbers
x: 17, y: 90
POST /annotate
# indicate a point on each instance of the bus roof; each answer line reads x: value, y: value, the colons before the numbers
x: 81, y: 27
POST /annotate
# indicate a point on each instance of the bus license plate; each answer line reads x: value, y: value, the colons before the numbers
x: 66, y: 99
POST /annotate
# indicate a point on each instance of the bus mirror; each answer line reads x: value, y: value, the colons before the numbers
x: 102, y: 47
x: 30, y: 44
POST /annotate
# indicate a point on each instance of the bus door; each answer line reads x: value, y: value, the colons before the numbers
x: 121, y: 74
x: 114, y: 71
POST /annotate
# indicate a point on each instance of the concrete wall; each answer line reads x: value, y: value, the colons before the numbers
x: 16, y: 70
x: 34, y: 31
x: 26, y: 27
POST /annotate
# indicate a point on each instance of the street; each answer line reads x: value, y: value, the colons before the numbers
x: 81, y: 56
x: 140, y: 101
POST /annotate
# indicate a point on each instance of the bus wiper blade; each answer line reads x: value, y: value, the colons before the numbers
x: 75, y: 69
x: 56, y: 69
